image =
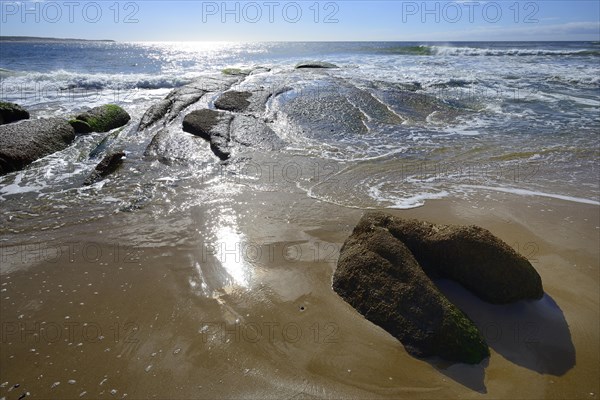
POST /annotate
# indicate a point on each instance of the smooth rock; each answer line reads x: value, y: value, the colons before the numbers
x: 233, y: 101
x: 25, y: 141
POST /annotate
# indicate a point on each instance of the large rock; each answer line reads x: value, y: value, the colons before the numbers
x: 23, y: 142
x: 213, y: 126
x: 470, y: 255
x: 109, y: 164
x: 11, y: 112
x: 100, y: 119
x: 330, y: 107
x: 380, y: 278
x: 385, y: 270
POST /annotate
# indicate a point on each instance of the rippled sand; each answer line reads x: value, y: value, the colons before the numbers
x: 242, y: 307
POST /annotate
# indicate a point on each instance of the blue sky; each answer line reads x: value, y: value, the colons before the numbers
x: 194, y: 20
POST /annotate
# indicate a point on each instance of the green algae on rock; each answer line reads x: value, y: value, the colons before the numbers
x: 101, y: 119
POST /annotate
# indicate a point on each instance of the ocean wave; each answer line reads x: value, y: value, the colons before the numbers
x: 441, y: 50
x: 408, y: 50
x: 65, y: 80
x: 588, y: 80
x: 474, y: 51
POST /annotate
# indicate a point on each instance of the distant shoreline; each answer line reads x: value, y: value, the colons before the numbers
x: 46, y: 39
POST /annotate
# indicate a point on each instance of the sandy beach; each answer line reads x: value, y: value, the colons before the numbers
x: 173, y: 214
x: 278, y: 330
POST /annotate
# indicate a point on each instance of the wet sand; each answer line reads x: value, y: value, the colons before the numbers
x: 242, y: 307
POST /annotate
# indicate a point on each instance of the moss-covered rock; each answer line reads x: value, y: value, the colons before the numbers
x: 11, y: 112
x: 104, y: 118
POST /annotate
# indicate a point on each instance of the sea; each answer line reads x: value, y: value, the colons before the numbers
x: 532, y: 128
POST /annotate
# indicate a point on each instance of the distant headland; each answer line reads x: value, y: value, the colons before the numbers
x: 45, y: 39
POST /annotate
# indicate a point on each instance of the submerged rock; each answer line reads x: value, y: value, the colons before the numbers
x: 171, y: 147
x: 107, y: 166
x: 315, y: 65
x: 213, y: 126
x: 380, y: 278
x: 251, y: 132
x: 11, y: 112
x: 385, y: 270
x: 100, y: 119
x: 23, y: 142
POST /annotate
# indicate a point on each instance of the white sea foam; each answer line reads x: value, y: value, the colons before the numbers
x: 476, y: 51
x: 525, y: 192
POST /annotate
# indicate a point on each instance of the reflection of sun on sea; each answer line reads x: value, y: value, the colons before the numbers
x: 206, y: 49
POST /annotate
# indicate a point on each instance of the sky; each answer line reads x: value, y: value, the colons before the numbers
x: 343, y: 20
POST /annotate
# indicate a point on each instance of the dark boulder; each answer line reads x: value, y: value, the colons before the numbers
x: 101, y: 119
x: 213, y: 126
x: 233, y: 101
x: 11, y: 112
x: 107, y: 166
x: 23, y: 142
x: 380, y: 278
x: 470, y: 255
x: 315, y: 65
x: 385, y: 270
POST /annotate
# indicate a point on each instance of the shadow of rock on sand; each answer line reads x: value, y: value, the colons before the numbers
x: 532, y: 334
x: 470, y: 376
